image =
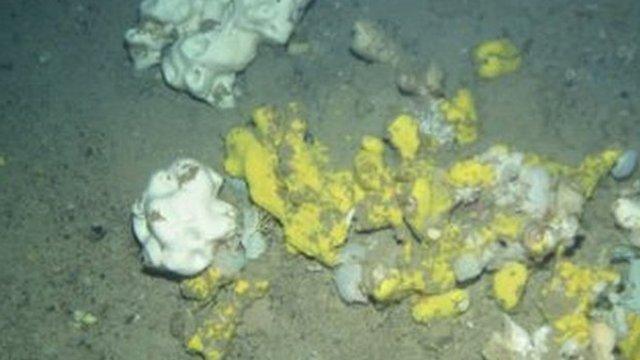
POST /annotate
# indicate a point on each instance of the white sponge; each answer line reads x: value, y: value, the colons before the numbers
x: 180, y: 222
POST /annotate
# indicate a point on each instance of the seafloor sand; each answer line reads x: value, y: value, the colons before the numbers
x: 81, y: 133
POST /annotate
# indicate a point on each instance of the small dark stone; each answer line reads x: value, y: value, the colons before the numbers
x: 131, y: 319
x: 6, y: 66
x: 208, y: 25
x: 309, y: 138
x: 97, y: 232
x: 624, y: 94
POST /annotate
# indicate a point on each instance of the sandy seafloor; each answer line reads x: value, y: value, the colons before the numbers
x: 81, y: 133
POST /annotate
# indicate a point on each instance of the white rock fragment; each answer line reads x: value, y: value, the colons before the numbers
x: 372, y: 44
x: 427, y: 84
x: 434, y: 125
x: 515, y: 343
x: 634, y: 238
x: 568, y: 200
x: 252, y: 240
x: 537, y: 191
x: 349, y: 273
x: 251, y: 237
x: 603, y: 341
x: 625, y: 165
x: 181, y: 224
x: 467, y: 267
x: 627, y: 213
x: 552, y: 206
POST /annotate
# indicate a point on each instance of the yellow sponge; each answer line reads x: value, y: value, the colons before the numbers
x: 403, y: 135
x: 509, y: 283
x: 460, y: 111
x: 495, y: 58
x: 470, y: 173
x: 448, y: 304
x: 630, y: 345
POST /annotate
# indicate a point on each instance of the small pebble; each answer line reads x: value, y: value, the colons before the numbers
x: 44, y: 57
x: 97, y: 232
x: 6, y: 66
x: 625, y: 165
x: 298, y: 48
x: 622, y: 253
x: 467, y: 267
x: 84, y: 318
x: 133, y: 318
